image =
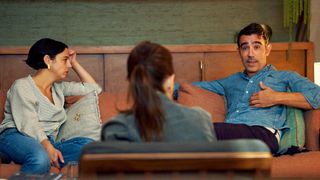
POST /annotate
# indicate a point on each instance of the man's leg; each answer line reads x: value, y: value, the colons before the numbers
x: 241, y: 131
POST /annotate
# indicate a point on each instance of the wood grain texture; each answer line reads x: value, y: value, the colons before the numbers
x: 107, y: 64
x: 255, y: 163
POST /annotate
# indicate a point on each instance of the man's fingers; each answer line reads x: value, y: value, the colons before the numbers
x: 254, y: 102
x: 253, y: 98
x: 263, y: 86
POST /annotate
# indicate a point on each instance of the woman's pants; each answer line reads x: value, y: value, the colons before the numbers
x: 34, y: 159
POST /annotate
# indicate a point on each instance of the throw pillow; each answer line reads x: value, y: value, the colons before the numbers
x: 295, y: 136
x: 83, y: 119
x: 190, y: 95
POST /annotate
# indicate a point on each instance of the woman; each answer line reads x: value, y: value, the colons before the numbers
x: 153, y: 115
x: 34, y: 109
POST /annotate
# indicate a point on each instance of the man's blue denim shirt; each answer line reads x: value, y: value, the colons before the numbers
x: 238, y: 88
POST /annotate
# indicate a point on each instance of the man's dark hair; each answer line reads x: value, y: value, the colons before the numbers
x: 259, y: 29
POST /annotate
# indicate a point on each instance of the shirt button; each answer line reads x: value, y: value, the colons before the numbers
x: 237, y: 111
x: 247, y: 92
x: 251, y: 81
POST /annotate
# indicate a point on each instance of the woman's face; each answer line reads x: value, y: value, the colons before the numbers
x: 60, y: 64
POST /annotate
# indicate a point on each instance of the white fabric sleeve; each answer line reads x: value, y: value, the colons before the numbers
x: 78, y: 88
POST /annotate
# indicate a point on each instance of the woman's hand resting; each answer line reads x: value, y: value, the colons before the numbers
x: 54, y: 154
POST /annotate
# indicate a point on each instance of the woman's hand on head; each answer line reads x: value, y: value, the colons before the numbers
x: 72, y: 57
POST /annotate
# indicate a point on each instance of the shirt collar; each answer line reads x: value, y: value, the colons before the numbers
x: 266, y: 69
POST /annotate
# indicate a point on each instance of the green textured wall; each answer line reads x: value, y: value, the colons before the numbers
x: 126, y: 22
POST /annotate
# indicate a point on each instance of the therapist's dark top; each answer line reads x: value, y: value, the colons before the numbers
x: 182, y: 124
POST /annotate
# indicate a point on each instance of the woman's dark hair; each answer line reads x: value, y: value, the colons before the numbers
x: 259, y: 29
x: 149, y: 64
x: 41, y: 48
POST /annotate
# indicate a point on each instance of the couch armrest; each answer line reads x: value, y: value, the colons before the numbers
x: 312, y: 122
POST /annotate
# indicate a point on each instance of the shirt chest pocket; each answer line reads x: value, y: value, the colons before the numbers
x: 275, y: 84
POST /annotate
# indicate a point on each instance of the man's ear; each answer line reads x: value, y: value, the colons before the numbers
x: 168, y: 86
x: 268, y: 49
x: 169, y: 82
x: 238, y: 49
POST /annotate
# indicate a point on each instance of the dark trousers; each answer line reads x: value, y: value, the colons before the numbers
x: 240, y: 131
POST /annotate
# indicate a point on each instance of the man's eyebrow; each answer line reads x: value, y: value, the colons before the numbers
x: 242, y: 44
x: 257, y: 42
x: 254, y: 42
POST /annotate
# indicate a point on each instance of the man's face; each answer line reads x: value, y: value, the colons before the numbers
x: 253, y: 51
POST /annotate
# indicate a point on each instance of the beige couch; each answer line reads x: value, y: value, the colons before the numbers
x: 299, y: 165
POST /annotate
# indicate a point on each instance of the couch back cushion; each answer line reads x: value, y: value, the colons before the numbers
x: 3, y: 96
x: 190, y: 95
x: 111, y: 103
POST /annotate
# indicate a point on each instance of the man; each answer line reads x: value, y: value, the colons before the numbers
x: 256, y: 96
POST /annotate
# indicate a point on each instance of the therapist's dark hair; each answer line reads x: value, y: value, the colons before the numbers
x: 149, y: 64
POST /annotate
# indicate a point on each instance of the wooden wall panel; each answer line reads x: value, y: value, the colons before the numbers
x: 281, y: 61
x: 12, y: 67
x: 222, y: 64
x: 216, y: 64
x: 116, y: 73
x: 108, y: 63
x: 187, y: 66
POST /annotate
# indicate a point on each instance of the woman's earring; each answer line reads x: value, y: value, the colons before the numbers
x: 49, y: 66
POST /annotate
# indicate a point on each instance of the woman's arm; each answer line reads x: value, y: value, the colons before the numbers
x: 81, y: 72
x: 54, y: 154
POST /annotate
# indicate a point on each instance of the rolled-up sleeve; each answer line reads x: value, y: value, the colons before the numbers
x: 310, y: 90
x: 213, y: 86
x: 78, y: 88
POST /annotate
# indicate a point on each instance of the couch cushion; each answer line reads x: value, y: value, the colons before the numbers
x: 111, y: 103
x: 3, y: 96
x: 302, y: 165
x: 312, y: 123
x: 295, y: 136
x: 190, y: 95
